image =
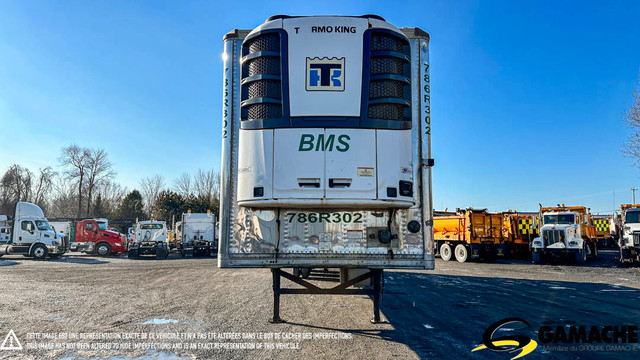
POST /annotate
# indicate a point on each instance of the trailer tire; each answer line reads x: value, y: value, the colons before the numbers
x: 305, y: 272
x: 581, y: 256
x: 39, y: 252
x: 445, y: 252
x: 462, y: 253
x: 296, y: 272
x: 132, y: 254
x: 103, y: 249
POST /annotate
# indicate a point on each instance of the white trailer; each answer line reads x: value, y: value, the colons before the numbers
x: 326, y: 157
x: 197, y: 234
x: 150, y: 239
x: 32, y: 235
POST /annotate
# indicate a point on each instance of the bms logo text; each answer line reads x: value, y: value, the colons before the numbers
x: 324, y: 74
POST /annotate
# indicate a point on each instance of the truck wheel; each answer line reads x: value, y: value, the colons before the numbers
x: 132, y: 254
x: 461, y: 252
x: 103, y: 249
x: 39, y: 252
x: 305, y: 272
x: 581, y: 256
x: 594, y: 251
x: 537, y: 257
x: 161, y: 253
x: 445, y: 252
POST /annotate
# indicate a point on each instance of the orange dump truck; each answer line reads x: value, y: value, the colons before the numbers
x: 468, y: 234
x: 565, y: 231
x: 603, y: 231
x: 519, y: 230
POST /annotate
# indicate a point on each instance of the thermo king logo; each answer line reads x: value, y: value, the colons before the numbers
x: 324, y: 74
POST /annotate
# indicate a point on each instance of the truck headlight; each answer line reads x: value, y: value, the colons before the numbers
x: 573, y: 243
x: 537, y: 242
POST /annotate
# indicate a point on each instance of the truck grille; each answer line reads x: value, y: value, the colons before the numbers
x: 262, y: 77
x: 389, y: 77
x: 553, y: 236
x: 636, y: 238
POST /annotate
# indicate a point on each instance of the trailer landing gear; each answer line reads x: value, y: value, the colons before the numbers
x: 374, y: 274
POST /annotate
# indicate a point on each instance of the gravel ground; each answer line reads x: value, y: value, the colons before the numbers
x: 429, y: 314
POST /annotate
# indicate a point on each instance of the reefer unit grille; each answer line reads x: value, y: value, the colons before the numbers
x: 389, y: 77
x: 262, y: 77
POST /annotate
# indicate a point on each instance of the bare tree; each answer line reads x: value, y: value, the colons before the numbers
x: 112, y: 194
x: 207, y: 184
x: 632, y: 119
x: 150, y: 188
x: 16, y: 185
x: 99, y: 172
x: 75, y: 160
x: 63, y: 197
x: 43, y: 185
x: 182, y: 185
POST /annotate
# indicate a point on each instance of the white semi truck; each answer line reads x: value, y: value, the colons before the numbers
x: 5, y: 229
x: 150, y: 239
x: 32, y: 235
x: 630, y: 234
x: 197, y: 235
x: 326, y: 157
x: 566, y: 231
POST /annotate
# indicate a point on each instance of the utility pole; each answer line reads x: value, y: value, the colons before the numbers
x: 634, y: 194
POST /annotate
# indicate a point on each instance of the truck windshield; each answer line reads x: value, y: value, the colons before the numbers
x: 102, y: 225
x: 150, y: 226
x: 559, y: 219
x: 632, y: 217
x: 43, y: 225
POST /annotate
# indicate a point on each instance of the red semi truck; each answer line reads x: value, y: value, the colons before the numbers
x: 93, y: 236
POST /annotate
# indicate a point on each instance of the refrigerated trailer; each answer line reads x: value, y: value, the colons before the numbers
x: 326, y: 158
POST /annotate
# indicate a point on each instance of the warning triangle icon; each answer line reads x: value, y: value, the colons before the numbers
x: 11, y: 342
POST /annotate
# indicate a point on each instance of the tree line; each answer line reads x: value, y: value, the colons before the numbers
x: 83, y: 185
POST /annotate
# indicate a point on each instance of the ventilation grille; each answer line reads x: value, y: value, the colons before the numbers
x: 389, y: 82
x: 262, y: 77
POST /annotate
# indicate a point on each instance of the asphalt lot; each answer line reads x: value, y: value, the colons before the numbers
x: 87, y: 307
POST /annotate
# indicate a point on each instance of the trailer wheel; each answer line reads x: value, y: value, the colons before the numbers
x: 462, y: 253
x: 445, y: 252
x: 305, y: 272
x: 39, y: 252
x: 296, y: 272
x: 103, y: 249
x: 581, y: 256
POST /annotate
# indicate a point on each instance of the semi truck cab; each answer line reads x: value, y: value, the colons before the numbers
x: 150, y: 239
x: 565, y: 233
x: 32, y: 235
x: 94, y: 237
x: 630, y: 233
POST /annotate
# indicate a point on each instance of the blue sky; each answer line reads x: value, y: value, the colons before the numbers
x: 527, y: 97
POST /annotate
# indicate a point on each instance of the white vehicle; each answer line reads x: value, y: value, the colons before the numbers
x: 326, y: 158
x: 566, y: 231
x: 130, y: 234
x: 32, y: 235
x: 197, y: 235
x: 5, y: 229
x: 65, y: 228
x: 150, y: 239
x: 630, y: 234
